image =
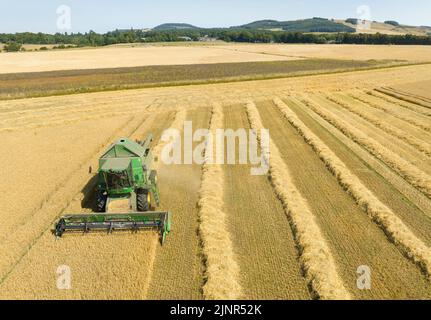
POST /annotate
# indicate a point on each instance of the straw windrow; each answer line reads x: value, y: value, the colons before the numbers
x: 315, y: 255
x: 393, y: 226
x: 385, y: 126
x: 222, y: 270
x: 408, y: 171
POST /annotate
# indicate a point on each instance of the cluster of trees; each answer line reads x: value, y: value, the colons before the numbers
x: 353, y: 21
x: 92, y: 38
x: 256, y: 36
x: 379, y: 38
x: 78, y: 39
x: 298, y: 37
x: 12, y: 47
x: 393, y: 23
x: 262, y: 36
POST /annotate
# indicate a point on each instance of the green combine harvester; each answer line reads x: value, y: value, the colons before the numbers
x: 124, y: 177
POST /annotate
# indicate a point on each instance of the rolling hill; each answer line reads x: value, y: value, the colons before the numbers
x: 314, y: 25
x: 174, y: 26
x: 306, y: 25
x: 390, y: 27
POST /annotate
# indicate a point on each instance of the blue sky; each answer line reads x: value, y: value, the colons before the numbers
x: 104, y: 15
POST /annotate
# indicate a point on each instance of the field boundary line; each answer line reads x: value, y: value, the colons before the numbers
x: 394, y: 228
x: 222, y: 271
x: 411, y: 173
x: 315, y: 255
x: 394, y: 131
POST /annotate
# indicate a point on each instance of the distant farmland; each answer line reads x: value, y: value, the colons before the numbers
x: 79, y: 81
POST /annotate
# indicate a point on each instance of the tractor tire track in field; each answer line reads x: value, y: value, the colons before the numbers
x: 261, y: 234
x: 316, y: 257
x: 222, y: 273
x: 412, y: 174
x: 26, y: 235
x: 178, y: 268
x: 394, y: 227
x: 425, y: 148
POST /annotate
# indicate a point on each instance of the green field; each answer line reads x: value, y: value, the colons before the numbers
x: 24, y: 85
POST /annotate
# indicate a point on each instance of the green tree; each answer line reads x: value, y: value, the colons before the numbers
x: 12, y: 47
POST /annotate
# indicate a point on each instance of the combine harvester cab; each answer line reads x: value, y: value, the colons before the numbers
x: 127, y: 192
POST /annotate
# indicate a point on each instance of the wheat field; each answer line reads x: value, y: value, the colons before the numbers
x: 349, y: 185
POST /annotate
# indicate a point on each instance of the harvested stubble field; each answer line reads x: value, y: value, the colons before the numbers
x: 109, y: 57
x: 344, y: 51
x: 348, y: 186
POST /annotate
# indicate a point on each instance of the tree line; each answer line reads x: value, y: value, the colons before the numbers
x: 230, y: 35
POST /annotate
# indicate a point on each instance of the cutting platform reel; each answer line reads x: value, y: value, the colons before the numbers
x: 160, y: 221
